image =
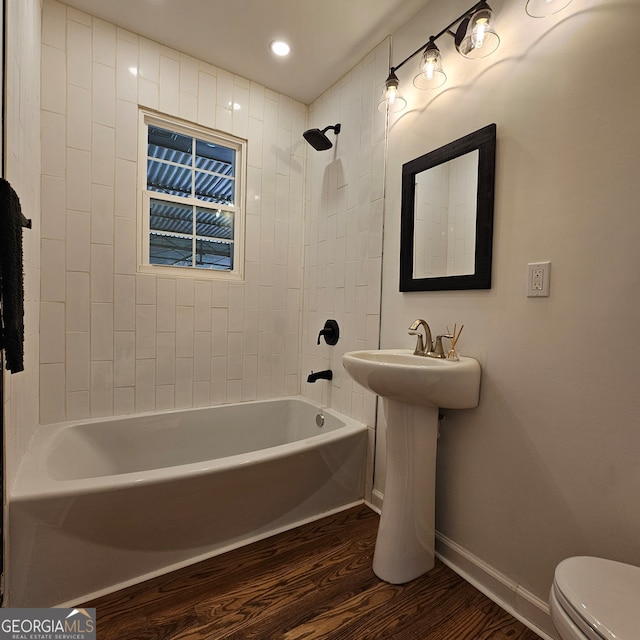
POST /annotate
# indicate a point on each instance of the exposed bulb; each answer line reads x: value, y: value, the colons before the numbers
x: 479, y: 30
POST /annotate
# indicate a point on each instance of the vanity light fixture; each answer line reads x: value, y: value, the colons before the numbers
x: 544, y: 8
x: 475, y: 37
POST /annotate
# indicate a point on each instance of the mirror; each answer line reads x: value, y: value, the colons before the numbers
x: 446, y: 221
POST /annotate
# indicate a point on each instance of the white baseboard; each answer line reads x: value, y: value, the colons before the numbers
x: 513, y: 598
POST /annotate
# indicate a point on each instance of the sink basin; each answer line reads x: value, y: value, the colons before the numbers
x: 413, y: 388
x: 398, y: 374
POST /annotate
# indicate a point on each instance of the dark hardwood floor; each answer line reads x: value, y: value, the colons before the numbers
x: 312, y: 583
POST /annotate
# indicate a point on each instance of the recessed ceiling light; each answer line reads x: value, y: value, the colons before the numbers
x: 280, y: 48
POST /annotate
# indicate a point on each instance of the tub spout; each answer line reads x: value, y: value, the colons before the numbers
x: 320, y: 375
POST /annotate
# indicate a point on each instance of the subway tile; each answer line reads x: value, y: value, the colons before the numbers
x: 52, y: 393
x: 53, y: 217
x: 188, y: 107
x: 78, y: 179
x: 218, y: 380
x: 149, y: 63
x: 145, y: 385
x: 125, y: 190
x: 126, y: 124
x: 53, y: 78
x: 78, y: 54
x: 166, y: 305
x: 52, y: 332
x: 124, y: 364
x: 169, y: 87
x: 207, y: 88
x: 184, y: 382
x: 104, y: 42
x: 201, y: 393
x: 125, y: 249
x: 104, y: 95
x: 165, y: 397
x: 123, y: 401
x: 52, y: 275
x: 54, y: 24
x: 53, y: 128
x: 103, y: 140
x: 78, y: 301
x: 101, y: 389
x: 184, y: 332
x: 78, y: 245
x: 78, y: 405
x: 78, y: 118
x: 101, y: 273
x: 77, y: 362
x: 145, y: 331
x: 101, y: 331
x: 102, y: 214
x: 203, y: 303
x: 202, y: 356
x: 124, y: 303
x: 145, y: 288
x: 185, y: 294
x: 219, y: 332
x: 126, y: 62
x: 166, y: 358
x: 148, y: 93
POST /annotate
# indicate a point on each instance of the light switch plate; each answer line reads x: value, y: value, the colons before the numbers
x: 538, y: 277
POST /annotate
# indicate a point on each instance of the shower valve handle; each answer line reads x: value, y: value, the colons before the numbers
x: 330, y: 332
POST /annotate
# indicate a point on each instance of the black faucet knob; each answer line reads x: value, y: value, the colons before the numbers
x: 330, y: 332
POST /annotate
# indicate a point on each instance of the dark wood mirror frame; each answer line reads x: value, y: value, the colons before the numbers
x: 484, y: 140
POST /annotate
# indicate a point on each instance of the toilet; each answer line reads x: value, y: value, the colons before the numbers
x: 596, y: 599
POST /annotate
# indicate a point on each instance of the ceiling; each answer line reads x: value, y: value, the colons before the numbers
x: 327, y: 37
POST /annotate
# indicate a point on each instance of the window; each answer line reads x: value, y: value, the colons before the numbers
x: 192, y: 195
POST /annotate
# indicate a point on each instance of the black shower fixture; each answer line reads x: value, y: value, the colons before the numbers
x: 318, y: 139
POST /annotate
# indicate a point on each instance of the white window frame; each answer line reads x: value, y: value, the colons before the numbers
x: 148, y: 117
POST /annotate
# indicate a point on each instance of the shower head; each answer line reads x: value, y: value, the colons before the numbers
x: 318, y: 139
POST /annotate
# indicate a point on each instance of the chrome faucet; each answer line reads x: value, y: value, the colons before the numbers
x: 422, y: 347
x: 426, y: 347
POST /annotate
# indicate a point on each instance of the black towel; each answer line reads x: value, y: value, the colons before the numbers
x: 11, y: 284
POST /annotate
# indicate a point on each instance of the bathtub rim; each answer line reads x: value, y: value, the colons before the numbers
x: 33, y: 482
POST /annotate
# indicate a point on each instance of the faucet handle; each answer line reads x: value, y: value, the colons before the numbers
x: 419, y: 351
x: 438, y: 352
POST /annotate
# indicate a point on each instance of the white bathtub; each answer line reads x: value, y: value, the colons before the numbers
x: 102, y: 504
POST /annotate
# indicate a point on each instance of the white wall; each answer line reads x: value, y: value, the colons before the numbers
x: 547, y: 465
x: 22, y: 170
x: 115, y: 341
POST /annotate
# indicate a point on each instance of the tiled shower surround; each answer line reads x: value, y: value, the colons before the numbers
x: 114, y: 341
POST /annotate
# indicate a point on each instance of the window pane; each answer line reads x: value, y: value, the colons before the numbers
x: 214, y: 223
x: 214, y: 255
x: 167, y: 178
x: 215, y: 157
x: 170, y: 146
x: 213, y: 188
x: 170, y: 250
x: 171, y: 217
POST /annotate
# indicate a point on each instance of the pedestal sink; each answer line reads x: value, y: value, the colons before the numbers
x: 412, y: 388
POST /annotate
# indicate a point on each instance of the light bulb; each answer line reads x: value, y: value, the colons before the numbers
x: 477, y: 37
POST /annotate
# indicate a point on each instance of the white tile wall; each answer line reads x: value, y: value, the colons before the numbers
x: 343, y: 237
x: 116, y: 341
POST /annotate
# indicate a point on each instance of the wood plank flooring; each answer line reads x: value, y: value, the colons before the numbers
x: 312, y: 583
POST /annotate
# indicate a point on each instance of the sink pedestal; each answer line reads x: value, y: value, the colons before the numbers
x: 406, y: 535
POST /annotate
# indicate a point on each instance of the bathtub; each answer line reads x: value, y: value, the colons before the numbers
x: 101, y: 504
